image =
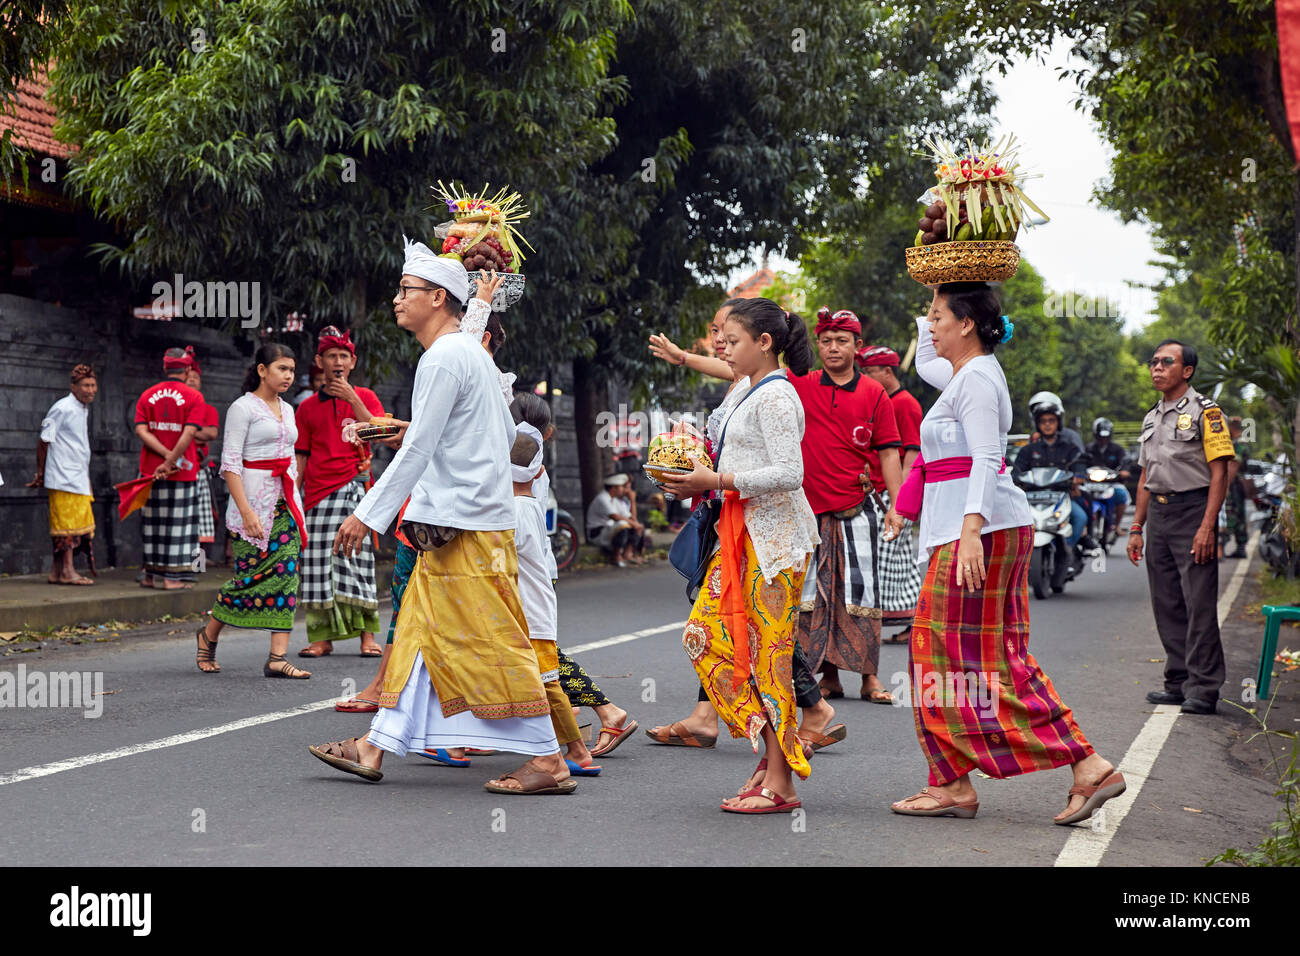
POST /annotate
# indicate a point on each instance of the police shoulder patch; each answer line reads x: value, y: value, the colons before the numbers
x: 1213, y: 414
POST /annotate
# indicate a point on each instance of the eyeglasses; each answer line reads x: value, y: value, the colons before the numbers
x: 1165, y: 360
x: 403, y: 289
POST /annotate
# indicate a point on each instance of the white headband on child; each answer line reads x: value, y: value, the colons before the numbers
x: 523, y: 474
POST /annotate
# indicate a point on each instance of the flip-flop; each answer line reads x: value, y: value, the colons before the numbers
x: 444, y: 757
x: 342, y: 755
x: 535, y: 783
x: 1111, y: 786
x: 305, y: 652
x: 620, y: 734
x: 372, y: 652
x: 828, y: 694
x: 872, y: 698
x: 357, y: 705
x: 577, y: 770
x: 779, y: 803
x: 679, y: 736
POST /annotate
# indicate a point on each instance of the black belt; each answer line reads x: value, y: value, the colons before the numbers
x: 1169, y: 497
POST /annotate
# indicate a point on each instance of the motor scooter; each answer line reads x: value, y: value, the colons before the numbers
x: 1100, y: 489
x: 1054, y: 562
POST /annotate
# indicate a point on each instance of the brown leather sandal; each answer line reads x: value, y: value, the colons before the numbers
x: 342, y: 755
x: 819, y: 741
x: 289, y: 671
x: 207, y: 652
x: 1109, y: 787
x: 534, y: 783
x: 678, y: 736
x: 948, y: 807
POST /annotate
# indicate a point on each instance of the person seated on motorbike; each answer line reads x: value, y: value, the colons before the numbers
x: 1050, y: 450
x: 1050, y: 400
x: 1104, y: 453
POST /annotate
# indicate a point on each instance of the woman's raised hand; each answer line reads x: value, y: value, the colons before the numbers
x: 663, y: 348
x: 488, y: 285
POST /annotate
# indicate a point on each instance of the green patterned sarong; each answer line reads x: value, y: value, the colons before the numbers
x: 263, y: 594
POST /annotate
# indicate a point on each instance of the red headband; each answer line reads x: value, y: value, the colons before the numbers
x: 332, y: 338
x: 841, y: 321
x: 878, y: 355
x: 186, y: 359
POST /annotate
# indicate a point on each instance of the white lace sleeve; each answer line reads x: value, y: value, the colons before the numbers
x: 775, y: 411
x: 937, y: 371
x: 476, y: 318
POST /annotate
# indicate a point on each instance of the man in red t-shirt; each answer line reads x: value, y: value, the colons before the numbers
x: 210, y: 430
x: 900, y: 575
x: 338, y: 592
x: 167, y: 416
x: 847, y: 417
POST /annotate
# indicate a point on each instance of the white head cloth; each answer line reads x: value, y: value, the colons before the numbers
x: 449, y: 273
x: 523, y: 474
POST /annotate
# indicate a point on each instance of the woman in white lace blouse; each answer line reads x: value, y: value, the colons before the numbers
x: 265, y: 514
x: 979, y: 698
x: 741, y: 632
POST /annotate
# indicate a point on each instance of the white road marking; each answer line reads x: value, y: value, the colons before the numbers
x: 1085, y: 847
x: 75, y: 763
x: 624, y: 638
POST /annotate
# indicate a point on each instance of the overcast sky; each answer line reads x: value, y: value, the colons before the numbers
x: 1083, y: 247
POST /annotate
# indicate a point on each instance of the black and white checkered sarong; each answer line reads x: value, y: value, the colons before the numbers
x: 170, y: 530
x: 900, y: 575
x: 327, y: 576
x: 207, y: 514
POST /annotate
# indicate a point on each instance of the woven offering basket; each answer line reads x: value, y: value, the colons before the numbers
x: 970, y: 261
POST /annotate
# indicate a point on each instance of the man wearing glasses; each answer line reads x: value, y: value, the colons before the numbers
x: 1184, y: 452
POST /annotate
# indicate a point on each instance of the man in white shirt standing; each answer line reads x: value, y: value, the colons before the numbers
x: 63, y: 469
x: 462, y: 672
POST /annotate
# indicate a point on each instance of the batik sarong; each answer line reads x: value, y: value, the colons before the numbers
x: 979, y: 698
x: 263, y: 594
x: 578, y: 685
x: 71, y: 517
x: 338, y: 592
x: 169, y: 532
x: 767, y: 697
x: 900, y: 575
x: 403, y: 565
x: 840, y: 623
x: 207, y: 511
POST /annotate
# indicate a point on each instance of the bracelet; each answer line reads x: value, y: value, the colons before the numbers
x: 1136, y: 529
x: 683, y: 361
x: 720, y: 488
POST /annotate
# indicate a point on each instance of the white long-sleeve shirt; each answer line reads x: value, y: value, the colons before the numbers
x: 536, y: 593
x: 455, y: 457
x: 970, y: 419
x: 254, y: 434
x: 762, y: 449
x: 67, y: 462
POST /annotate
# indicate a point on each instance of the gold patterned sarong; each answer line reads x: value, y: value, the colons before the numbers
x: 461, y: 611
x: 71, y: 514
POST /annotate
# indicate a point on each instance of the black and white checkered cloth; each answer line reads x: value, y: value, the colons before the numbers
x: 860, y: 538
x: 900, y: 575
x: 170, y: 530
x: 325, y: 575
x: 207, y: 514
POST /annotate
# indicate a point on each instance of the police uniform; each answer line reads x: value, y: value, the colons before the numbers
x: 1179, y: 440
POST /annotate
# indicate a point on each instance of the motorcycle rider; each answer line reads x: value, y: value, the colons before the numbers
x: 1052, y: 400
x: 1051, y: 450
x: 1104, y: 453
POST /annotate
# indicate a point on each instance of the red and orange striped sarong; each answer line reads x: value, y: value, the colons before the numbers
x: 978, y: 696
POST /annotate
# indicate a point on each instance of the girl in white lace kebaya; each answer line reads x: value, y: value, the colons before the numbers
x: 741, y: 632
x: 265, y: 514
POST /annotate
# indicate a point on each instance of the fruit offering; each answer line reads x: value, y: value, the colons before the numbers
x: 482, y: 232
x: 978, y: 194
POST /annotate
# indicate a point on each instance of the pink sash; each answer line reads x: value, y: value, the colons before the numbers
x: 923, y: 473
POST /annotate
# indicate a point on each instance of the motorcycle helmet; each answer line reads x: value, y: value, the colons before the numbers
x: 1046, y: 401
x: 1102, y: 428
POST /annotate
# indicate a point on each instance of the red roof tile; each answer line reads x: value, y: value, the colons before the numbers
x: 32, y: 120
x: 752, y: 287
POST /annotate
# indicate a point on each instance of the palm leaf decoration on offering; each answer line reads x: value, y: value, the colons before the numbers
x: 482, y: 232
x: 978, y: 195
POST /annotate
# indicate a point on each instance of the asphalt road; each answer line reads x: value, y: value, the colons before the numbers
x: 254, y: 795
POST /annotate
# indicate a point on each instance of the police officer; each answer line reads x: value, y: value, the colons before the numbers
x: 1184, y: 453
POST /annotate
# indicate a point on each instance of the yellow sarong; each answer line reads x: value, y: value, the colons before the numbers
x: 71, y: 514
x: 461, y: 611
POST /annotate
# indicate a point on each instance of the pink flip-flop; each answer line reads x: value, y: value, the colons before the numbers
x: 779, y: 803
x: 357, y: 705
